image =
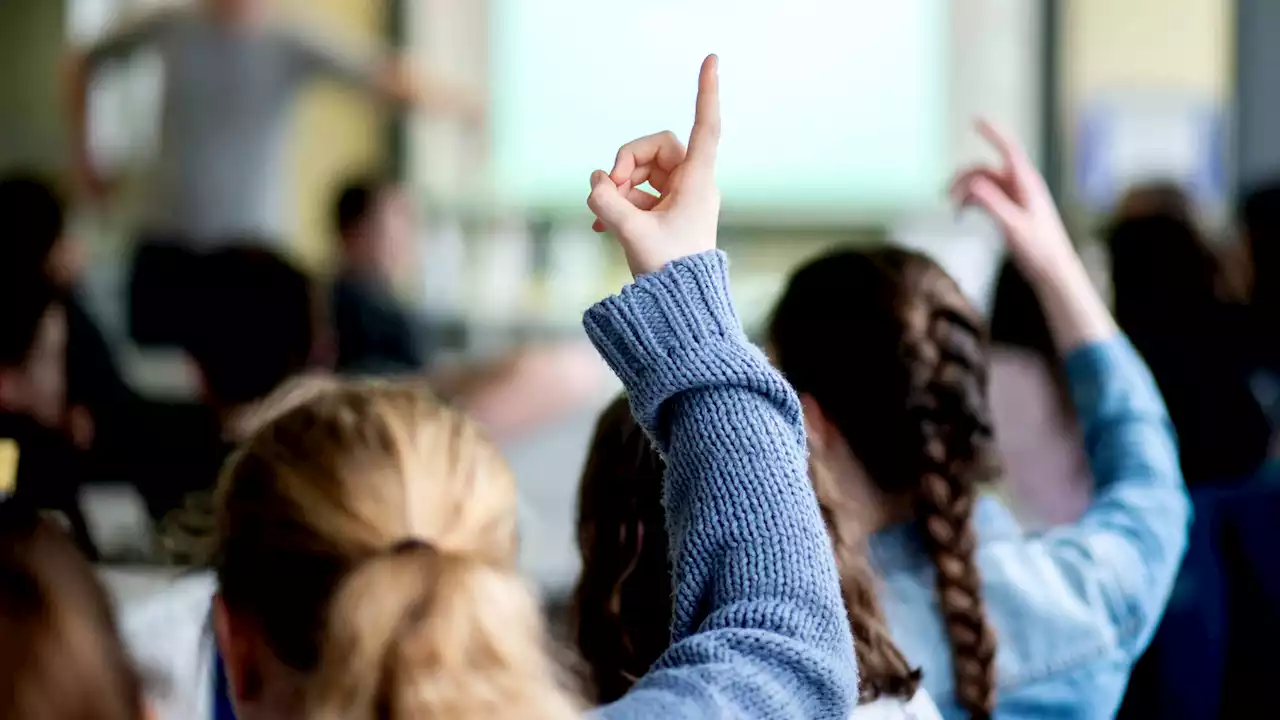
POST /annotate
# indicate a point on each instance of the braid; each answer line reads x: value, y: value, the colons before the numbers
x: 910, y: 406
x: 949, y: 382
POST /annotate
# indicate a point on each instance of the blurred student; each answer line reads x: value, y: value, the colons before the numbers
x: 367, y: 534
x: 233, y: 77
x: 622, y: 605
x: 38, y: 244
x: 61, y: 658
x: 1168, y: 301
x: 376, y: 333
x: 44, y: 467
x: 1259, y: 220
x: 1001, y: 624
x: 1045, y: 472
x: 259, y: 329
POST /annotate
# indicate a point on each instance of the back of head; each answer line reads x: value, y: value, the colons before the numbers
x: 33, y: 217
x: 1164, y: 198
x: 257, y: 325
x: 355, y: 203
x: 888, y: 347
x: 1164, y: 276
x: 367, y: 534
x: 621, y: 613
x: 61, y: 658
x: 1018, y: 322
x: 1166, y: 302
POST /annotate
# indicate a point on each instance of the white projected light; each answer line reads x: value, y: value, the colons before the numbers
x: 832, y: 108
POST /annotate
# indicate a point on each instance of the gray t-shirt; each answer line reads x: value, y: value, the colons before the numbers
x: 222, y: 170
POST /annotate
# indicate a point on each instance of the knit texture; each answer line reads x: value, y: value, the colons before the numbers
x: 759, y: 628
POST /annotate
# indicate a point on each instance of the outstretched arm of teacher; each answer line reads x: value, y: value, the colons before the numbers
x: 393, y: 77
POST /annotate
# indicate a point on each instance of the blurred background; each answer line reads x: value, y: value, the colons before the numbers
x: 843, y: 123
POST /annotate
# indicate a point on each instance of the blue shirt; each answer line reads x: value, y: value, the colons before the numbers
x: 1073, y: 608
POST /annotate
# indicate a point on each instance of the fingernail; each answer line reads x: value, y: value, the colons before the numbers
x: 598, y: 177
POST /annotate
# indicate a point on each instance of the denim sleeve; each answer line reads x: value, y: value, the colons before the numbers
x: 1112, y: 570
x: 759, y: 627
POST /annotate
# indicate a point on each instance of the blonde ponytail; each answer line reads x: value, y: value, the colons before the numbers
x: 370, y: 533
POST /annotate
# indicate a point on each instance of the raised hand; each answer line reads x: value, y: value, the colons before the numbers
x: 1016, y: 196
x: 681, y: 219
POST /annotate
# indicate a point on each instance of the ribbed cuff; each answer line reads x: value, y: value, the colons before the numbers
x: 671, y: 331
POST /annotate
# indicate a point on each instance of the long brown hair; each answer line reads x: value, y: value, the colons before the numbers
x: 621, y: 611
x: 621, y: 614
x: 369, y: 534
x: 61, y: 657
x: 887, y: 345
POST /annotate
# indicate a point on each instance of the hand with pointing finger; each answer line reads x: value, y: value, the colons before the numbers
x: 1017, y: 198
x: 681, y: 219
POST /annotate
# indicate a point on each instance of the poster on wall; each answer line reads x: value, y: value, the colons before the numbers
x: 1124, y: 140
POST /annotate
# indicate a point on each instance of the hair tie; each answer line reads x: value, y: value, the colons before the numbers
x: 410, y: 545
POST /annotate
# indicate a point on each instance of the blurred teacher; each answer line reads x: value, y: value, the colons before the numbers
x: 232, y: 78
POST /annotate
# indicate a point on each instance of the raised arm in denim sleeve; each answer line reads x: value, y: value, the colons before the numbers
x: 759, y: 628
x: 1117, y: 564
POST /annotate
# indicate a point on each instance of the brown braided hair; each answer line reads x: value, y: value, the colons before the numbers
x: 909, y: 397
x: 621, y: 611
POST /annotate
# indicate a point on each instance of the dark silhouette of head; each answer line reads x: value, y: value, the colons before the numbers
x: 258, y: 325
x: 885, y: 345
x: 1166, y: 301
x: 1018, y: 321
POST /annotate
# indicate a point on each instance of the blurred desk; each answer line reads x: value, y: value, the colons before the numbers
x: 130, y: 584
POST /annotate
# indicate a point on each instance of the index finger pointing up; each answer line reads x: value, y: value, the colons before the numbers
x: 1009, y: 150
x: 705, y: 137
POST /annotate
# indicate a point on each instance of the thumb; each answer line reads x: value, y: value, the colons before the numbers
x: 608, y: 204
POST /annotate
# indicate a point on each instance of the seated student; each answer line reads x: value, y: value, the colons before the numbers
x: 376, y: 334
x: 367, y: 534
x: 61, y: 658
x: 258, y: 330
x: 1046, y: 474
x: 1001, y: 624
x: 36, y: 240
x: 44, y: 467
x: 1194, y: 342
x: 621, y: 611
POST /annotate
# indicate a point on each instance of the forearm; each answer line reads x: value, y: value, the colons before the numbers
x: 1134, y: 532
x: 1075, y: 312
x: 754, y: 574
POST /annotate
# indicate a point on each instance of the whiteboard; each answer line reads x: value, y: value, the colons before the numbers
x: 830, y: 108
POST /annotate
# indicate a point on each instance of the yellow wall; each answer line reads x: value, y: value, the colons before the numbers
x: 339, y: 133
x: 1118, y: 45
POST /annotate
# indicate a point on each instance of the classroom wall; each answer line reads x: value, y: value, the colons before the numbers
x: 1182, y: 48
x: 32, y: 133
x: 339, y: 132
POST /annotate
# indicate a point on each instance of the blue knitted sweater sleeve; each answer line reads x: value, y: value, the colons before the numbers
x: 759, y: 629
